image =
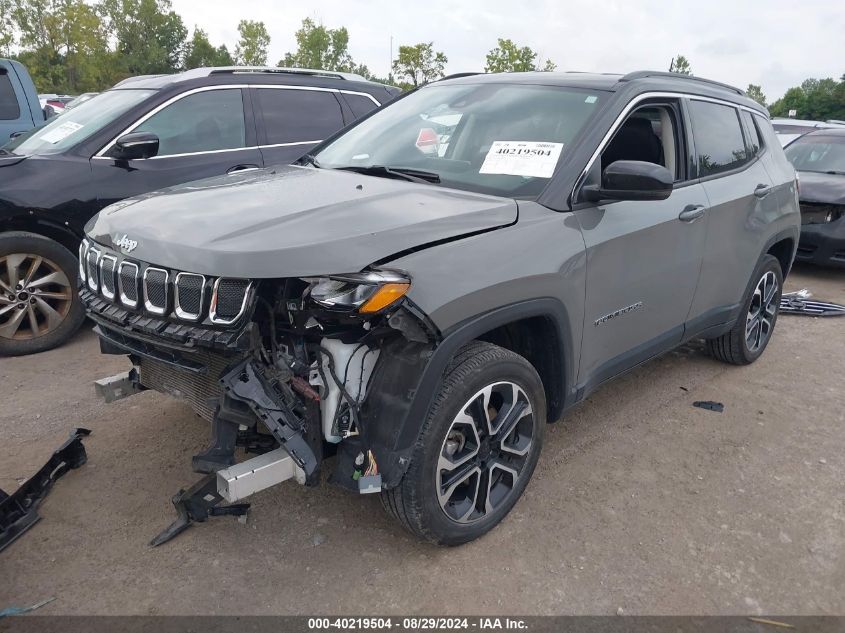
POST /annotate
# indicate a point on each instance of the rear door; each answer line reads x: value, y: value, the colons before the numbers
x: 293, y: 119
x: 743, y: 202
x: 203, y: 132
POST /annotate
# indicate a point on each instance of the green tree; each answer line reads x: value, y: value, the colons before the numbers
x: 680, y: 65
x: 419, y: 64
x: 756, y: 92
x: 150, y: 36
x: 199, y: 52
x: 817, y: 99
x: 7, y: 28
x: 251, y: 49
x: 320, y: 47
x: 64, y: 44
x: 507, y: 57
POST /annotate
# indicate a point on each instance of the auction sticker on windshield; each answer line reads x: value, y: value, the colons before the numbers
x: 61, y: 132
x: 522, y: 158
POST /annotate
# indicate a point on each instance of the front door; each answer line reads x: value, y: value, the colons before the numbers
x: 643, y: 257
x: 204, y: 133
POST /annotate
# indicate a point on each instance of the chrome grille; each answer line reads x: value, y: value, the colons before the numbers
x: 229, y: 300
x: 155, y: 290
x: 83, y: 252
x: 190, y: 290
x: 92, y: 258
x: 107, y: 264
x: 128, y: 284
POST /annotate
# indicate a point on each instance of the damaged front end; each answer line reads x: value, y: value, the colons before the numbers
x: 295, y: 370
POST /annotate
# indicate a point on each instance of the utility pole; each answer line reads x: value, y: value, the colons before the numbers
x: 390, y: 65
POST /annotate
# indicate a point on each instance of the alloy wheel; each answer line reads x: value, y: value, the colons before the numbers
x: 35, y: 296
x: 484, y: 452
x: 762, y: 313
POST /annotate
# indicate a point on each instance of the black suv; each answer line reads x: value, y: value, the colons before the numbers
x: 145, y: 134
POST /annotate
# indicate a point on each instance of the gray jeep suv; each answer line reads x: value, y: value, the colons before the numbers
x: 425, y: 291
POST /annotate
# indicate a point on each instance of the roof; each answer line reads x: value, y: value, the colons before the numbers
x: 806, y: 123
x: 161, y: 81
x: 829, y: 131
x: 613, y: 82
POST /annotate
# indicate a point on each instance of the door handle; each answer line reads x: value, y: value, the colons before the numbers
x: 691, y: 212
x: 232, y: 170
x: 761, y: 191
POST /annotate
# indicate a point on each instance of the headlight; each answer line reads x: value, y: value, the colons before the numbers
x: 367, y: 292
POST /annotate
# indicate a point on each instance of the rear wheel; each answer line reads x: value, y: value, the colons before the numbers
x: 477, y: 449
x: 39, y: 306
x: 753, y: 329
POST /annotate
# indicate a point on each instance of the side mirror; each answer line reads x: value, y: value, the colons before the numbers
x: 136, y: 145
x: 632, y: 180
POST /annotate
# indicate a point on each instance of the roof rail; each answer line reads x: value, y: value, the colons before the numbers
x: 642, y: 74
x: 222, y: 70
x: 459, y: 75
x: 130, y: 80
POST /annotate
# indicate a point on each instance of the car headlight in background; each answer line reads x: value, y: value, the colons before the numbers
x: 368, y: 292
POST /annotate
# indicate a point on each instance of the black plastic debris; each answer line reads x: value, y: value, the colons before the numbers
x: 19, y: 510
x: 718, y: 407
x: 799, y: 303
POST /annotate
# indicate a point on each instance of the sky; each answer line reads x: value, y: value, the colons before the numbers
x: 776, y: 44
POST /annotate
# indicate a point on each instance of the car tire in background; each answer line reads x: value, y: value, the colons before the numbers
x: 39, y: 305
x: 477, y: 449
x: 751, y: 333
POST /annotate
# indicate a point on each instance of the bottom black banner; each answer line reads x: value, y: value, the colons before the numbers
x: 535, y: 624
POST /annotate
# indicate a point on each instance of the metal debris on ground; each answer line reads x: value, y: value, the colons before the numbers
x: 19, y: 510
x: 718, y: 407
x: 21, y: 610
x: 798, y: 302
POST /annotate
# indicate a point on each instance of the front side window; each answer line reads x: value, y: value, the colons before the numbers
x: 67, y: 130
x: 205, y: 121
x: 9, y: 108
x: 649, y: 134
x: 299, y: 116
x: 496, y: 138
x: 718, y: 138
x: 822, y: 153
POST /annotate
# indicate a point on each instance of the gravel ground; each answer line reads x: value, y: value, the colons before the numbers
x: 640, y: 502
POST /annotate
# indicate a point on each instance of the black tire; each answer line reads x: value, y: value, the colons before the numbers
x: 54, y: 327
x: 733, y: 347
x: 414, y: 502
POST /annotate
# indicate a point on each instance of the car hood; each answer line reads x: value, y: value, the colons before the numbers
x: 292, y: 222
x: 824, y: 188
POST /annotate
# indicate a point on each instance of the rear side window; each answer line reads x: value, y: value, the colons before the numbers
x: 754, y: 144
x: 718, y: 138
x: 206, y: 121
x: 360, y: 105
x: 9, y: 108
x: 297, y: 116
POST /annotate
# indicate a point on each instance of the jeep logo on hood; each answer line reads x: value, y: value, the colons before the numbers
x: 125, y: 243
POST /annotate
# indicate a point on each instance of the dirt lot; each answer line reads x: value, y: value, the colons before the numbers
x: 640, y: 501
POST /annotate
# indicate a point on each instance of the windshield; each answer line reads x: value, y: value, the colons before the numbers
x: 86, y: 119
x: 501, y: 139
x: 818, y: 153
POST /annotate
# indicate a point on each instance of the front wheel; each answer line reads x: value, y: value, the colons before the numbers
x: 39, y: 306
x: 753, y: 329
x: 477, y: 449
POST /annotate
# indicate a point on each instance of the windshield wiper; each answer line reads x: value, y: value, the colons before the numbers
x: 309, y: 159
x: 411, y: 175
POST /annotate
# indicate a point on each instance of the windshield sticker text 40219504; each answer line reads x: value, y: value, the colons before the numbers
x: 529, y: 159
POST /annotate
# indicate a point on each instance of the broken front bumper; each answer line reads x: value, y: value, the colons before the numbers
x: 823, y: 244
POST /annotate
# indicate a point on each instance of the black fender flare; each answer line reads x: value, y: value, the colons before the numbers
x: 408, y: 375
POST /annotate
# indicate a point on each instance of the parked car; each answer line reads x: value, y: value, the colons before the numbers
x: 19, y: 107
x: 145, y: 134
x: 423, y: 314
x: 76, y: 101
x: 819, y: 158
x: 790, y: 129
